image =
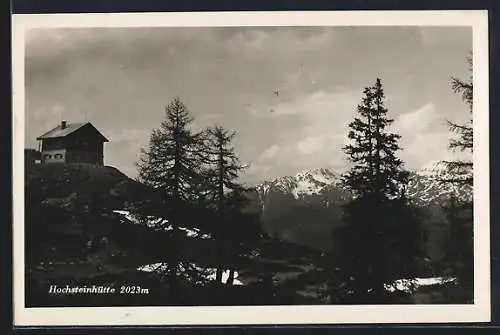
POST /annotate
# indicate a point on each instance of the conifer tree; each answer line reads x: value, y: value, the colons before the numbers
x: 223, y: 190
x: 460, y: 252
x: 243, y: 230
x: 171, y: 165
x: 462, y: 169
x: 460, y: 248
x: 374, y: 217
x: 376, y: 170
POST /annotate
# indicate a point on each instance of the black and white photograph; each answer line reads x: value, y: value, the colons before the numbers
x: 260, y: 165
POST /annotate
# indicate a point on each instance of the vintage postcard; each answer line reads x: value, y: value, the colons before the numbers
x: 247, y: 168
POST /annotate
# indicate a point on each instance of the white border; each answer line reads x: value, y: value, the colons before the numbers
x: 478, y: 312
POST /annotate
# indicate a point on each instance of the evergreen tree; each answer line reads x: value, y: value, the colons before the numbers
x: 223, y: 190
x: 460, y: 247
x: 376, y: 170
x: 243, y: 231
x: 171, y: 165
x: 460, y: 254
x: 462, y: 169
x: 377, y: 217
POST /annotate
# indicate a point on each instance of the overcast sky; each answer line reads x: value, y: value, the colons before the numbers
x: 121, y: 79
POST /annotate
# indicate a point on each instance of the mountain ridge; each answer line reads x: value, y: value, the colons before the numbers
x: 306, y: 208
x: 429, y: 179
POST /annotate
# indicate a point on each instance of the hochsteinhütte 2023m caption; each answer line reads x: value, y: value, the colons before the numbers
x: 97, y: 289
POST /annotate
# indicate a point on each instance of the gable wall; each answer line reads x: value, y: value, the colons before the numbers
x: 83, y: 146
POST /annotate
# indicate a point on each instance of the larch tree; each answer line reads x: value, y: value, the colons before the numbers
x: 243, y: 230
x: 224, y: 192
x: 460, y: 251
x: 170, y: 164
x: 461, y: 169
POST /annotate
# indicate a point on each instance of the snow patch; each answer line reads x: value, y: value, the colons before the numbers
x: 210, y: 273
x: 304, y: 187
x: 410, y: 285
x: 433, y: 168
x: 127, y: 215
x: 160, y: 222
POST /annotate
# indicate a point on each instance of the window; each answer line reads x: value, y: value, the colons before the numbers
x: 58, y: 156
x: 47, y: 156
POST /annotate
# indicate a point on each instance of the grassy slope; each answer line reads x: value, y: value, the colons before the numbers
x: 59, y: 229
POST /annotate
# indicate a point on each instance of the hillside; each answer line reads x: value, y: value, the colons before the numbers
x: 71, y: 234
x: 307, y: 207
x: 86, y: 182
x: 81, y: 230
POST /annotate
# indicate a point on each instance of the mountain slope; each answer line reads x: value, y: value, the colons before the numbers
x: 81, y: 230
x: 425, y: 185
x: 306, y: 208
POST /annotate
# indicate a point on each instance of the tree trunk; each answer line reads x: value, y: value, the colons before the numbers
x: 218, y: 275
x: 378, y: 187
x: 175, y: 257
x: 220, y: 194
x: 370, y: 143
x: 230, y: 279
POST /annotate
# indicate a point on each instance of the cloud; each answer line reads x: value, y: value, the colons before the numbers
x: 445, y: 36
x: 255, y: 39
x: 314, y: 124
x: 121, y: 78
x: 424, y: 135
x: 416, y: 121
x: 319, y: 40
x: 279, y: 40
x: 255, y: 171
x: 317, y: 104
x: 269, y: 153
x: 311, y: 144
x: 426, y: 147
x: 210, y: 116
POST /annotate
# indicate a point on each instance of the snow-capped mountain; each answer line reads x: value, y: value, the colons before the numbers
x: 425, y: 186
x: 307, y: 182
x: 307, y: 207
x: 429, y: 185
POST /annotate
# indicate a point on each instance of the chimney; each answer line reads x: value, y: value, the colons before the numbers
x: 63, y: 124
